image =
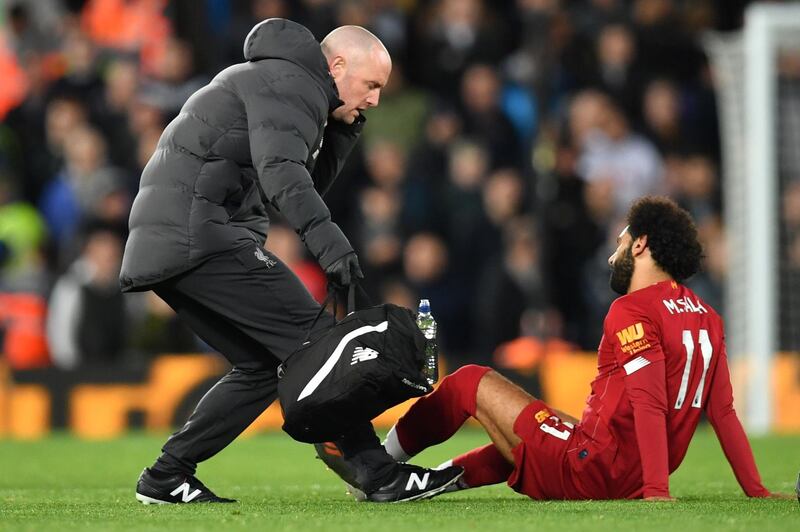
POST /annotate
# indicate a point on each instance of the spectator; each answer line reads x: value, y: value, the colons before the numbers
x: 87, y: 322
x: 23, y: 235
x: 484, y: 121
x: 173, y: 80
x: 666, y: 49
x: 232, y: 34
x: 708, y: 283
x: 34, y: 26
x: 662, y: 115
x: 453, y: 36
x: 503, y: 196
x: 611, y: 153
x: 76, y: 192
x: 119, y: 95
x: 462, y: 207
x: 428, y: 168
x: 81, y: 78
x: 617, y: 72
x: 698, y: 188
x: 511, y: 284
x: 379, y: 234
x: 570, y: 237
x: 426, y: 266
x: 400, y: 115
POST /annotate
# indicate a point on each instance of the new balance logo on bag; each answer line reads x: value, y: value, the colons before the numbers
x: 183, y: 489
x: 362, y: 354
x: 420, y: 482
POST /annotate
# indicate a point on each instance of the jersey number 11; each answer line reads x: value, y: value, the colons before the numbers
x: 706, y: 350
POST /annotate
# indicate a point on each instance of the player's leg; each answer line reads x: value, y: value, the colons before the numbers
x: 252, y: 328
x: 222, y: 414
x: 471, y: 391
x: 499, y: 404
x: 232, y: 404
x: 435, y: 417
x: 483, y: 466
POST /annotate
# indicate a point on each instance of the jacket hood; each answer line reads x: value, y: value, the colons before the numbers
x: 279, y: 38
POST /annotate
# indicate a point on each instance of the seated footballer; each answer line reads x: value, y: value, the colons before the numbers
x: 661, y: 364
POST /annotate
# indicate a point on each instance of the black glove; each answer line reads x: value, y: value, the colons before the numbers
x: 327, y: 243
x: 344, y: 271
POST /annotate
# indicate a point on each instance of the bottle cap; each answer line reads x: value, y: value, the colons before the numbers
x: 424, y: 306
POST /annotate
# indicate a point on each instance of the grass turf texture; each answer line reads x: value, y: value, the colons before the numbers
x: 62, y: 483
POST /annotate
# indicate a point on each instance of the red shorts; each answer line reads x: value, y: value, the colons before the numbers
x: 550, y: 462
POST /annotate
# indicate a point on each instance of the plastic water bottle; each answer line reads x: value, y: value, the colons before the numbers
x: 427, y: 325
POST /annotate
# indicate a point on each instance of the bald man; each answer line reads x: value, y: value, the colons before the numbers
x: 274, y: 130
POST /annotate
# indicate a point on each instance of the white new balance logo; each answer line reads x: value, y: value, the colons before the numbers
x: 185, y: 496
x: 413, y: 478
x: 362, y: 354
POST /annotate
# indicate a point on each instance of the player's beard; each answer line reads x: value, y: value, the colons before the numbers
x: 622, y: 272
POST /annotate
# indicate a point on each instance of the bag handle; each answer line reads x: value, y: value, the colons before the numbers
x: 332, y: 293
x: 351, y: 297
x: 328, y: 298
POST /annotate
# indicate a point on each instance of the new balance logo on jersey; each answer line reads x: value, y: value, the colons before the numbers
x: 421, y: 483
x: 362, y: 354
x: 630, y: 334
x: 183, y: 489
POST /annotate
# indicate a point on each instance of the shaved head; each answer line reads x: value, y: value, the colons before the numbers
x: 352, y: 39
x: 360, y: 66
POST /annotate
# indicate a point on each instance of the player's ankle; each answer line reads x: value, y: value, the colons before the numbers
x: 394, y: 447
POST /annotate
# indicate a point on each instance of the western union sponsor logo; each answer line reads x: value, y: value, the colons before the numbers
x: 630, y: 334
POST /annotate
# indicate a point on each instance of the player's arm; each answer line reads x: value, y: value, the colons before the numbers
x: 730, y: 433
x: 647, y: 391
x: 282, y: 128
x: 642, y: 360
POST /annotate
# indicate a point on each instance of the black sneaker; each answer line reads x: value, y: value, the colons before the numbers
x: 331, y: 456
x: 177, y: 489
x: 414, y: 483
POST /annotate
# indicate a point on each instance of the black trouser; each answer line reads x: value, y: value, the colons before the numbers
x: 249, y: 306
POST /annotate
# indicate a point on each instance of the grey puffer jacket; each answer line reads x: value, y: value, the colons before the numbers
x: 256, y: 133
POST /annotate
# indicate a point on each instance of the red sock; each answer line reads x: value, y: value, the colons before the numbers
x: 437, y: 416
x: 484, y: 466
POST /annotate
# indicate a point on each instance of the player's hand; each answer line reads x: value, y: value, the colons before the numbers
x: 661, y: 499
x: 344, y: 271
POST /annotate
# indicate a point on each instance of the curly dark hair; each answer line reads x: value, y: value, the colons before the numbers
x: 671, y: 235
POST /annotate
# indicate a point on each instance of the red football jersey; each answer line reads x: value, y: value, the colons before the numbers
x: 661, y: 363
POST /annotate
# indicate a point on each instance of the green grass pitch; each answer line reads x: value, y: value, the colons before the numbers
x: 62, y: 483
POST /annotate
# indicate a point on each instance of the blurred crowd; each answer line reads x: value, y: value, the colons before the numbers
x: 493, y: 178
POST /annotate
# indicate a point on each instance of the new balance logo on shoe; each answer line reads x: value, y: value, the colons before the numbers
x: 421, y: 483
x: 362, y: 354
x: 183, y: 489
